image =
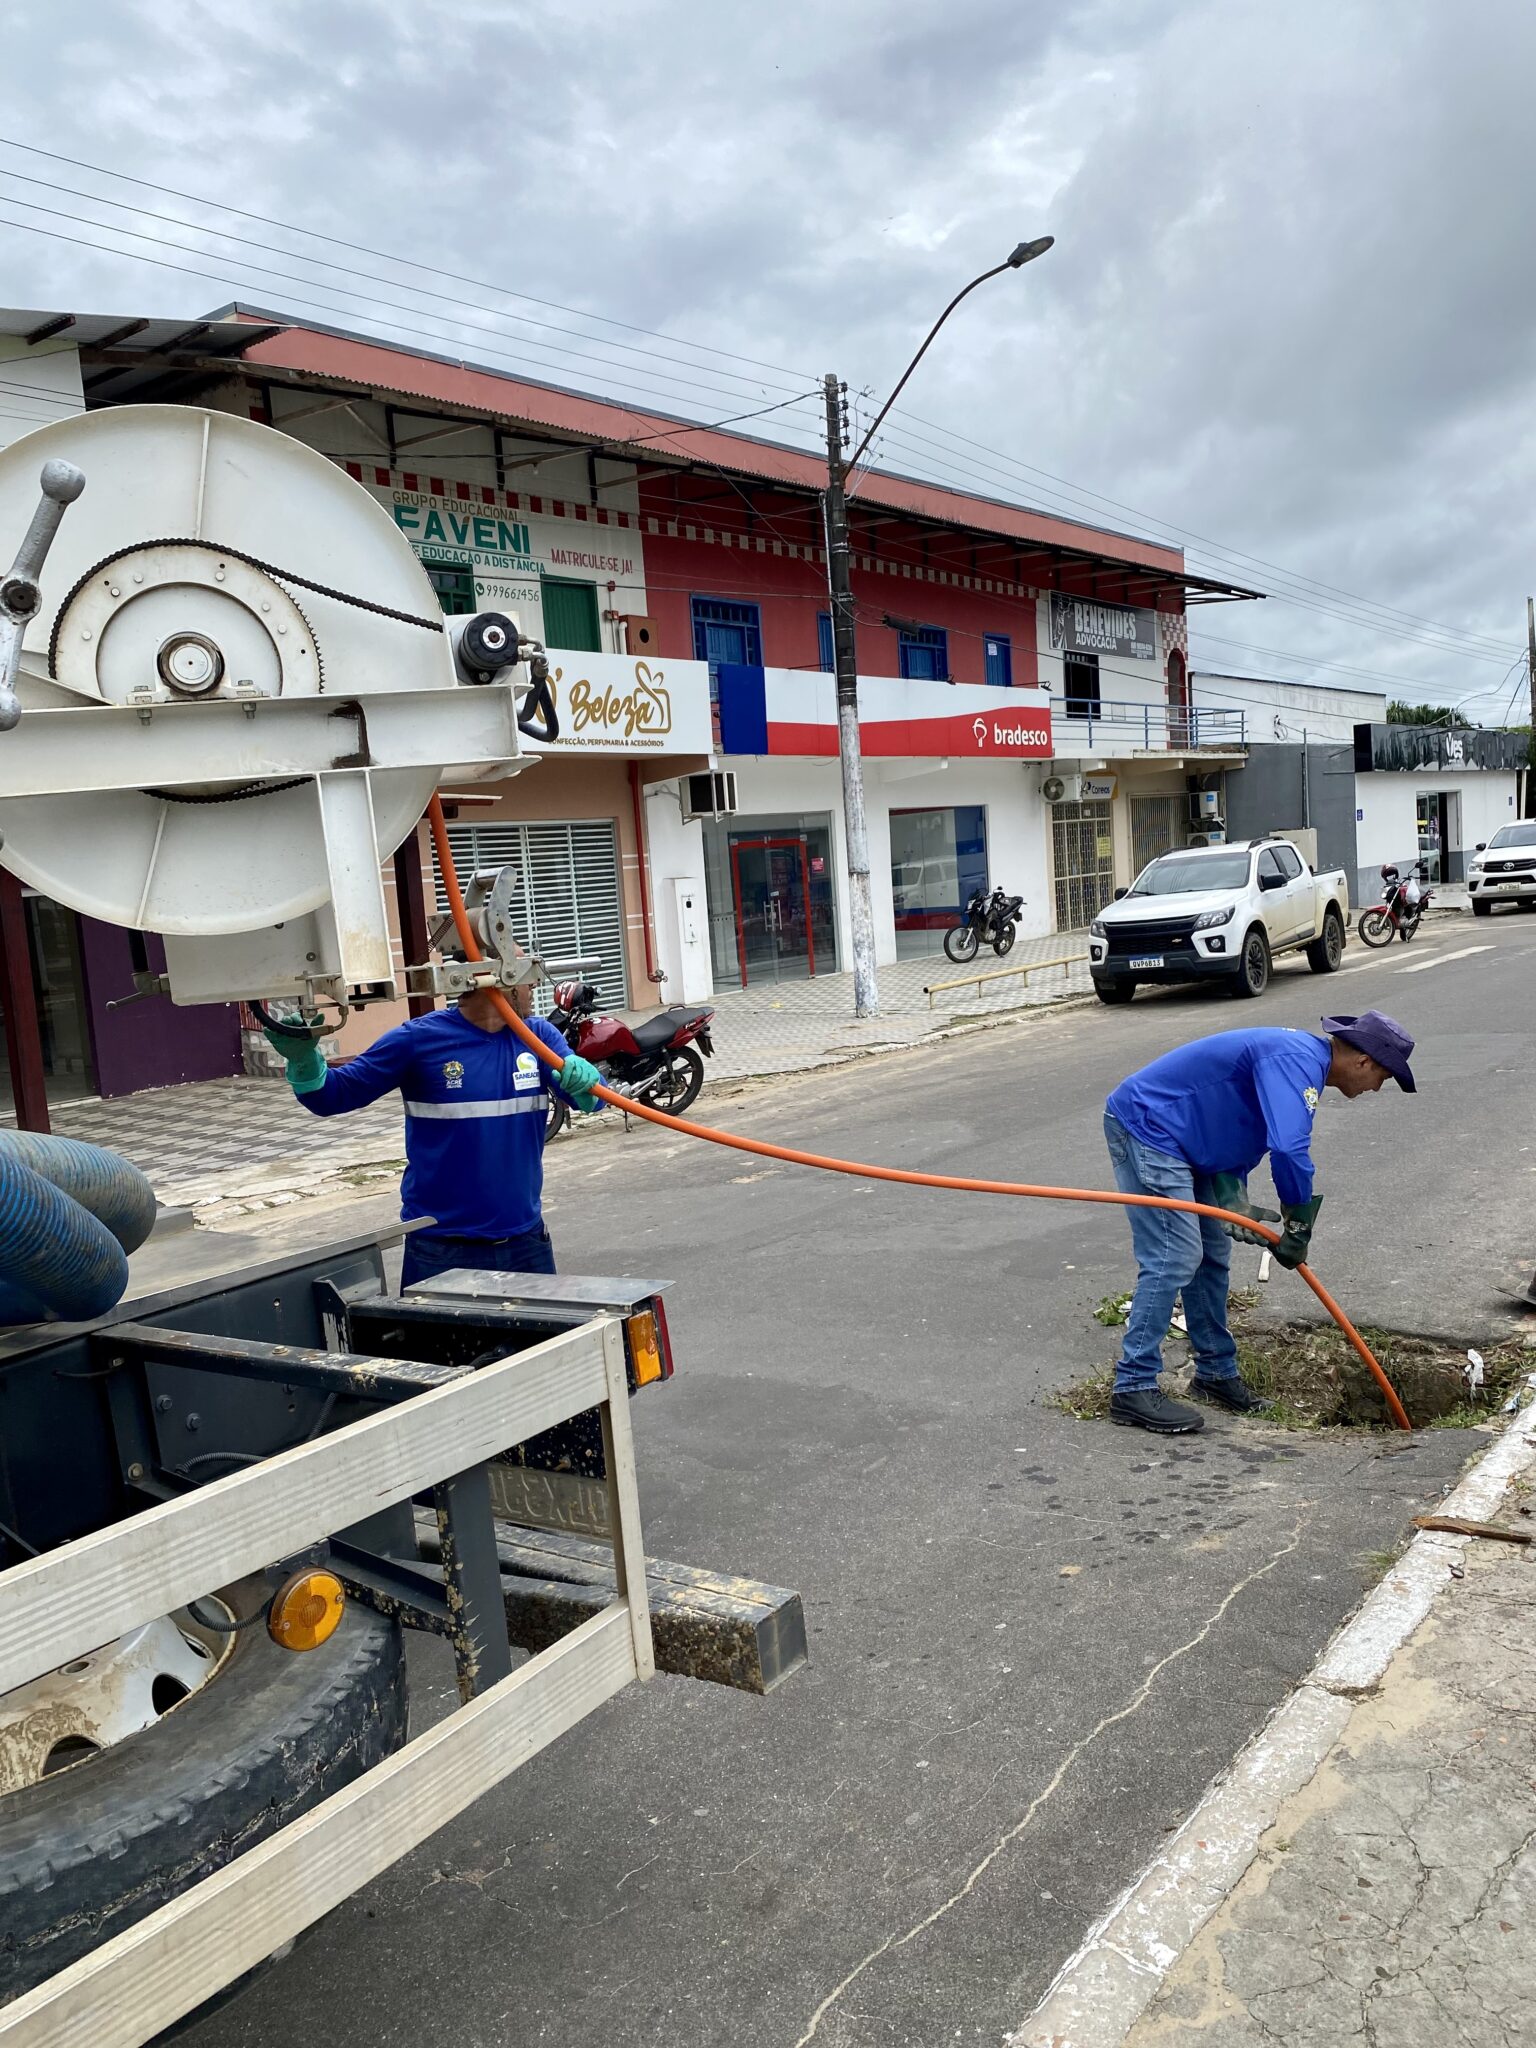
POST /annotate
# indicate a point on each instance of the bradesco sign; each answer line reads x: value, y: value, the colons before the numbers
x: 786, y: 711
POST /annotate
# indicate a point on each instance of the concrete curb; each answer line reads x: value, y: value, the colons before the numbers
x: 1100, y: 1992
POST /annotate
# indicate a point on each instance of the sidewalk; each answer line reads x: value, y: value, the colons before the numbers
x: 227, y: 1149
x: 1366, y: 1871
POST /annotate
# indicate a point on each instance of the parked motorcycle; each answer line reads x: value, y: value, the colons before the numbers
x: 987, y: 920
x: 658, y: 1062
x: 1404, y: 902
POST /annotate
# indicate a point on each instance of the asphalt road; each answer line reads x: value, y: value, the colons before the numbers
x: 1034, y: 1640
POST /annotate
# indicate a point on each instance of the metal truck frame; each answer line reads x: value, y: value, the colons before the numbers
x: 407, y: 1430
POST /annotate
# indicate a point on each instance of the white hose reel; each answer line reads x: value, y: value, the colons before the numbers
x: 236, y: 696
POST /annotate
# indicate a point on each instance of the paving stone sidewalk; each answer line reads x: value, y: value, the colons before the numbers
x: 226, y: 1149
x: 1393, y: 1901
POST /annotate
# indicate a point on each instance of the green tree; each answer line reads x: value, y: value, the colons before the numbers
x: 1399, y: 713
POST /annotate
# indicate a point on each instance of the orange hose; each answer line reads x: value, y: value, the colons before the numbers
x: 760, y: 1146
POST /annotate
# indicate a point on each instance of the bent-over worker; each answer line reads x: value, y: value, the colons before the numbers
x: 1193, y: 1125
x: 476, y: 1112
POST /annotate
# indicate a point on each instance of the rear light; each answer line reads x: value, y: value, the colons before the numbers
x: 306, y: 1610
x: 644, y: 1343
x: 649, y: 1346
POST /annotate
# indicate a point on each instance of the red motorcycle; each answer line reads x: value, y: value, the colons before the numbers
x: 658, y: 1062
x: 1397, y: 915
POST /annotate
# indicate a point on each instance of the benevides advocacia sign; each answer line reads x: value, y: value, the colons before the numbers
x: 1079, y: 625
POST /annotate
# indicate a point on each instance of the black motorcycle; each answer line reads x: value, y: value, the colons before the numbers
x: 988, y: 920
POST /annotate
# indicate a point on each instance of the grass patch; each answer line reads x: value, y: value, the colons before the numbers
x: 1314, y: 1380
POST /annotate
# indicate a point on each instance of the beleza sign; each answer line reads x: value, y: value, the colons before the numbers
x: 615, y: 704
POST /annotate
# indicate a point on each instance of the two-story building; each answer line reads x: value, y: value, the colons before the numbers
x: 1025, y: 693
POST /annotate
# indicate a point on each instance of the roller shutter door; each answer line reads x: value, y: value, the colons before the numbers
x: 569, y: 902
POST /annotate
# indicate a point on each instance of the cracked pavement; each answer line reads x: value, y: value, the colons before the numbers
x: 1391, y: 1903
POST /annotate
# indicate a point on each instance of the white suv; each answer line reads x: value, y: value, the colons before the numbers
x: 1504, y: 870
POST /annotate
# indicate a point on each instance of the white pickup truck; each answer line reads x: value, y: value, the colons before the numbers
x: 1218, y: 911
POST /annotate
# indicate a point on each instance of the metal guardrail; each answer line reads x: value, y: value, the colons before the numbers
x: 1025, y: 968
x: 69, y: 1600
x: 1154, y: 725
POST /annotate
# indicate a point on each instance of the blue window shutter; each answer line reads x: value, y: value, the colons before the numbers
x: 924, y: 653
x: 999, y: 660
x: 825, y: 648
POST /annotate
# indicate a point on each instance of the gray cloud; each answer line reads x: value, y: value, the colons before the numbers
x: 1290, y: 306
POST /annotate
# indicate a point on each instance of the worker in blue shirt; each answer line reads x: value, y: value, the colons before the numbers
x: 476, y: 1110
x: 1194, y: 1125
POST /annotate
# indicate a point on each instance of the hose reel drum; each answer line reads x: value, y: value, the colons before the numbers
x: 236, y: 695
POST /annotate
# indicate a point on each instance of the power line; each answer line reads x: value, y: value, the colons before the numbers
x: 338, y: 269
x: 1169, y: 526
x: 362, y: 249
x: 1446, y: 640
x: 546, y: 360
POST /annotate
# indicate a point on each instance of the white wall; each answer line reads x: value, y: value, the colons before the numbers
x: 1289, y: 711
x: 1388, y: 829
x: 676, y: 848
x: 51, y: 371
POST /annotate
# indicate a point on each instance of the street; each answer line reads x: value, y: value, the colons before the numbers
x: 1034, y: 1639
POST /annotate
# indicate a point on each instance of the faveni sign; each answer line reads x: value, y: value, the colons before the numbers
x: 615, y: 704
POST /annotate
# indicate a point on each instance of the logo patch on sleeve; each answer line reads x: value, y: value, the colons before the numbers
x: 1310, y: 1098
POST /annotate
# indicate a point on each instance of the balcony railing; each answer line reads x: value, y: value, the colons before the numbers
x: 1145, y: 726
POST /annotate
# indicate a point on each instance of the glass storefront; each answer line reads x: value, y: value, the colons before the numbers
x: 938, y: 859
x: 769, y: 887
x: 53, y: 942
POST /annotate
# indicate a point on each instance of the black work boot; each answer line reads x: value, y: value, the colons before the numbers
x: 1150, y: 1408
x: 1233, y: 1394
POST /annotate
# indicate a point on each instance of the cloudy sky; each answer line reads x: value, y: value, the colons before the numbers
x: 1290, y: 318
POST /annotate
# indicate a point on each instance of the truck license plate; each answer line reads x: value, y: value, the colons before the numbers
x: 1148, y: 960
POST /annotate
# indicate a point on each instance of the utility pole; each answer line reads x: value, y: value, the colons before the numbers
x: 861, y: 916
x: 1530, y: 752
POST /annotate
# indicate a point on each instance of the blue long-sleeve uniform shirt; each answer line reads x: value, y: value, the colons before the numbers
x: 476, y: 1104
x: 1221, y: 1103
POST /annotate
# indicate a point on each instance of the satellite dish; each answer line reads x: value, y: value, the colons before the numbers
x: 237, y: 695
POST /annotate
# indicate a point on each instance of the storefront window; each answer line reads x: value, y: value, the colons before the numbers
x: 54, y: 946
x: 769, y: 886
x: 938, y: 858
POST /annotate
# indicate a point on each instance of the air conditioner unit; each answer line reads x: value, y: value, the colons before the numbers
x: 1216, y: 835
x: 640, y: 635
x: 710, y: 796
x: 1079, y: 789
x: 1055, y: 791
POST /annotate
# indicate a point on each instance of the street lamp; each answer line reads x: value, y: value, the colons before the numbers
x: 866, y: 996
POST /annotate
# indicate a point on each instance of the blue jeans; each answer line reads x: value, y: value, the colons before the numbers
x: 1175, y: 1254
x: 430, y: 1252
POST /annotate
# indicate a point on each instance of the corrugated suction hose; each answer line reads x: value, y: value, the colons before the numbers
x: 69, y: 1216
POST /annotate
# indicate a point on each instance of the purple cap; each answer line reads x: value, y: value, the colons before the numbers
x: 1386, y: 1042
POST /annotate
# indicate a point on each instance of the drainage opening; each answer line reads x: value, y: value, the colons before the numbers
x: 1310, y: 1373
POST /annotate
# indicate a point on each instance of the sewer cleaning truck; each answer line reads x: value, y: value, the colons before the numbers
x: 234, y: 1469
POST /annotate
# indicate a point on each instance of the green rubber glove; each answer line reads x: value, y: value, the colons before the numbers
x: 303, y: 1061
x: 1229, y: 1193
x: 578, y: 1077
x: 1292, y: 1249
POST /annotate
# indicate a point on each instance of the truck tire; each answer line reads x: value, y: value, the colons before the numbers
x: 1252, y: 976
x: 1325, y: 953
x: 1120, y: 990
x: 94, y: 1848
x: 1481, y: 908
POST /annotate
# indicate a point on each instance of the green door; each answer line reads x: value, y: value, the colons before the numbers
x: 570, y: 616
